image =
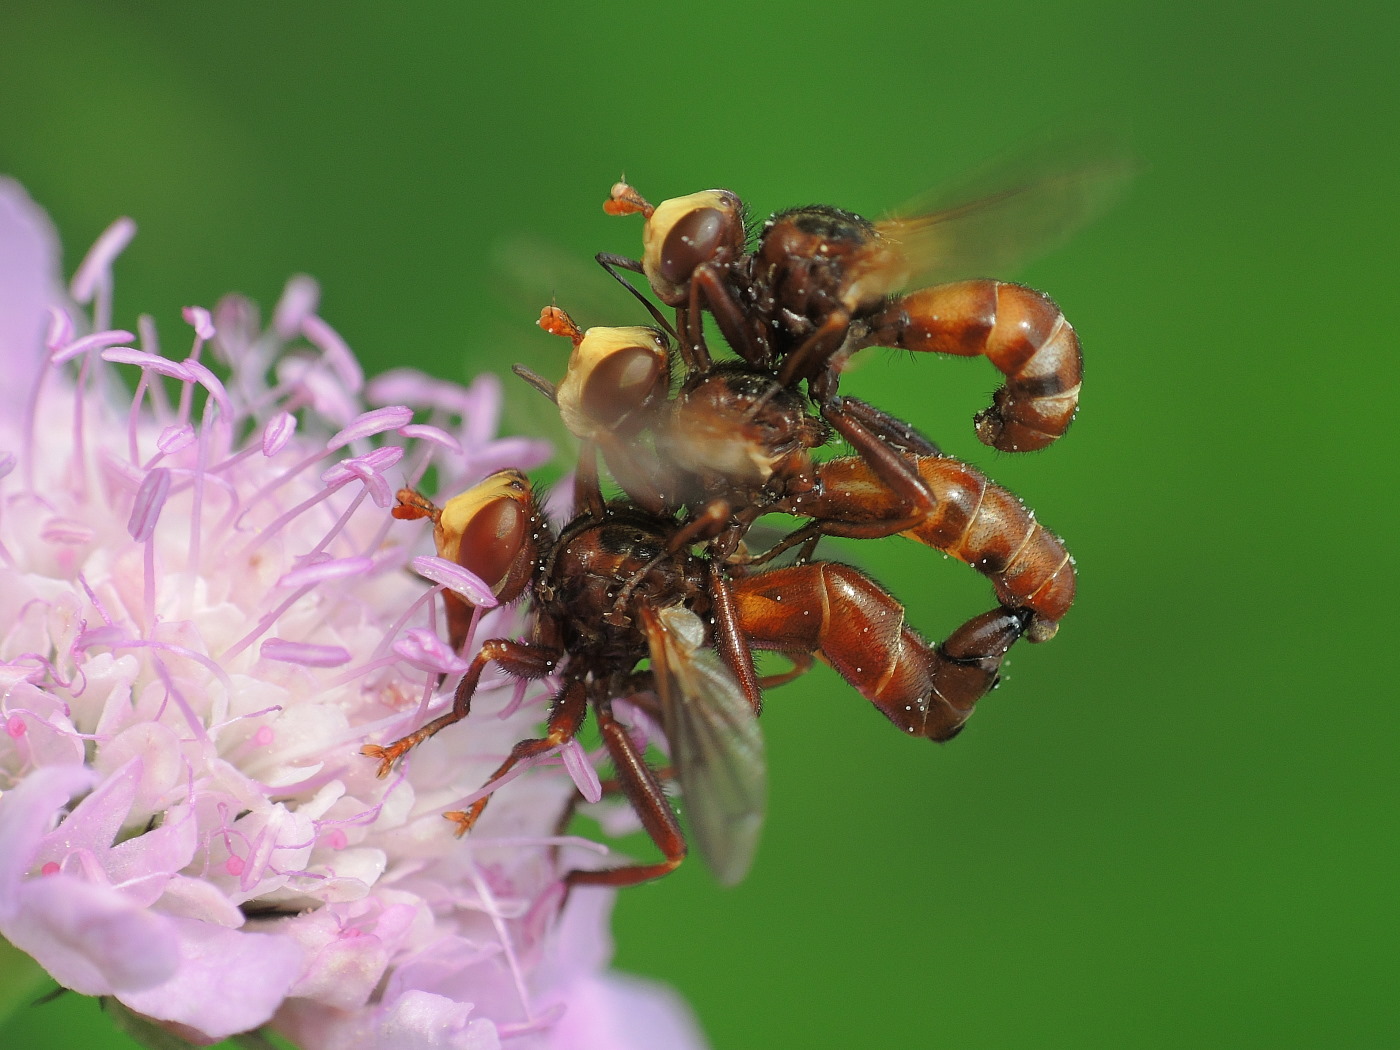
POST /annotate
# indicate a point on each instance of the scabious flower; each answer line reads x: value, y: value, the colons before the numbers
x: 205, y: 610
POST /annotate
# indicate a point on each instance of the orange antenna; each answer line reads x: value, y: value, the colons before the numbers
x: 556, y: 322
x: 413, y: 505
x: 624, y: 200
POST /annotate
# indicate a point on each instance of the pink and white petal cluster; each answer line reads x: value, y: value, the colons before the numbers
x: 205, y: 610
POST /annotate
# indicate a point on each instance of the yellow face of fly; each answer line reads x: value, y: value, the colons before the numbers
x: 685, y: 232
x: 482, y: 504
x: 614, y: 375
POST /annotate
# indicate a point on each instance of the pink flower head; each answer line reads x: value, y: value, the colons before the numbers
x: 205, y: 610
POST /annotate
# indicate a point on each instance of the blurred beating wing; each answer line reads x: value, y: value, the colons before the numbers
x: 716, y: 745
x: 531, y: 272
x: 1008, y: 212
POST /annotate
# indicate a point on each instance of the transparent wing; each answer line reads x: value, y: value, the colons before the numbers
x: 530, y: 272
x: 716, y: 746
x: 1008, y: 212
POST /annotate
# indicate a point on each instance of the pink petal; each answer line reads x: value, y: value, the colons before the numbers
x: 330, y: 569
x: 148, y: 862
x: 338, y: 354
x: 455, y: 578
x: 619, y: 1012
x: 235, y: 327
x: 369, y: 470
x: 419, y: 1020
x: 344, y: 971
x: 278, y: 432
x: 98, y: 263
x: 299, y: 301
x: 66, y: 531
x: 150, y: 498
x: 212, y: 383
x: 109, y: 635
x: 162, y: 773
x: 228, y: 981
x: 29, y: 285
x: 580, y: 943
x: 427, y: 652
x: 379, y: 459
x: 376, y: 461
x: 584, y: 775
x: 304, y: 653
x: 367, y: 424
x: 198, y: 318
x: 520, y: 453
x: 125, y: 355
x: 173, y: 438
x: 95, y: 821
x: 411, y: 387
x: 60, y: 329
x: 483, y: 411
x: 92, y: 938
x: 436, y: 435
x: 97, y: 341
x: 26, y: 814
x: 329, y: 397
x: 197, y: 899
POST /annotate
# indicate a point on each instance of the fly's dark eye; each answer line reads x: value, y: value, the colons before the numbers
x: 488, y: 530
x: 615, y: 376
x: 493, y: 539
x: 623, y: 385
x: 695, y: 238
x: 685, y: 232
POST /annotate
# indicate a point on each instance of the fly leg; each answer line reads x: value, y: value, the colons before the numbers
x: 520, y: 659
x: 565, y: 720
x: 643, y: 789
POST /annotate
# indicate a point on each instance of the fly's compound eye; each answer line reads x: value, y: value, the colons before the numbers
x: 686, y: 232
x: 616, y: 378
x: 489, y: 531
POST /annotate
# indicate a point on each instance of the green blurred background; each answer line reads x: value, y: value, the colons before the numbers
x: 1173, y: 826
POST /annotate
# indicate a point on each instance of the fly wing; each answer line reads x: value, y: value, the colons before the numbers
x: 528, y: 273
x: 1009, y: 212
x: 716, y: 746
